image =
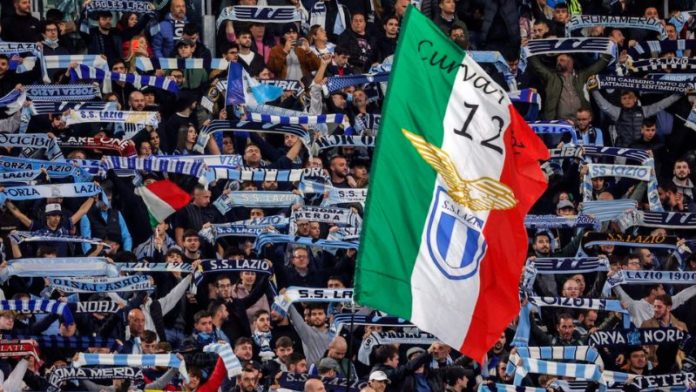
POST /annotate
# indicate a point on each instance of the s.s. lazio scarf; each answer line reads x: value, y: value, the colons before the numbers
x: 332, y: 141
x: 101, y: 285
x: 112, y: 116
x: 59, y: 266
x: 282, y: 302
x: 635, y: 337
x: 256, y: 199
x: 86, y: 72
x: 133, y: 360
x: 147, y: 64
x: 391, y: 337
x: 658, y: 47
x: 675, y: 64
x: 39, y: 306
x: 62, y: 92
x: 273, y: 238
x: 629, y: 240
x: 555, y: 221
x: 260, y: 266
x: 245, y: 126
x: 666, y: 220
x: 660, y: 86
x: 211, y: 234
x: 62, y: 374
x: 32, y: 141
x: 546, y: 46
x: 259, y: 14
x: 651, y: 277
x: 332, y: 215
x: 582, y: 21
x: 122, y: 147
x: 345, y: 196
x: 641, y: 173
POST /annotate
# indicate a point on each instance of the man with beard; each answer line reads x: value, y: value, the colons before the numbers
x: 315, y: 334
x: 340, y: 173
x: 682, y: 181
x: 663, y: 357
x: 496, y: 354
x: 564, y: 85
x: 251, y: 61
x: 541, y: 246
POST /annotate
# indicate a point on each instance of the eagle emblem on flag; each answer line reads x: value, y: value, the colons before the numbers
x: 482, y: 194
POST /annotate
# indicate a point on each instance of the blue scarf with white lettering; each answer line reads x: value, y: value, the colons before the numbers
x: 245, y: 126
x: 35, y: 49
x: 555, y: 127
x: 336, y: 118
x: 559, y: 222
x: 651, y: 277
x: 81, y: 189
x: 62, y: 92
x: 259, y: 14
x: 134, y: 360
x: 39, y: 306
x: 332, y: 141
x: 57, y: 169
x: 636, y: 337
x: 577, y: 22
x: 335, y: 83
x: 667, y: 220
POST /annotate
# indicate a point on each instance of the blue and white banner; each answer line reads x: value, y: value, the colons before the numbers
x: 332, y: 215
x: 62, y: 92
x: 260, y: 14
x: 577, y: 22
x: 256, y: 175
x: 345, y: 196
x: 146, y: 266
x: 64, y: 61
x: 102, y: 285
x: 175, y: 165
x: 335, y: 83
x: 260, y: 266
x: 112, y: 116
x: 246, y: 126
x: 655, y: 48
x: 15, y: 48
x: 635, y: 337
x: 276, y: 238
x: 337, y: 118
x: 37, y: 108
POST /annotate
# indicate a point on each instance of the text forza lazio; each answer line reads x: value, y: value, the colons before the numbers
x: 26, y: 192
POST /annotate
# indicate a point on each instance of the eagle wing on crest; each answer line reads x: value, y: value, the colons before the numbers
x: 488, y: 194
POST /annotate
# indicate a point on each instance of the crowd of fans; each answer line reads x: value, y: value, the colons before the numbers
x: 183, y: 313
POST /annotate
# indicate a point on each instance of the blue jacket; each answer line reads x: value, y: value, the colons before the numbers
x: 163, y: 41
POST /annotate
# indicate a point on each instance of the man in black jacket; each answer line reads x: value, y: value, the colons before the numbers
x: 361, y: 46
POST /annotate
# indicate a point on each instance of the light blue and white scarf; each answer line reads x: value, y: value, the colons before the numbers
x: 40, y: 306
x: 46, y: 236
x: 102, y: 285
x: 555, y: 221
x: 392, y: 337
x: 12, y: 48
x: 245, y: 126
x: 146, y: 266
x: 224, y: 350
x: 607, y: 210
x: 345, y: 196
x: 112, y: 116
x: 256, y: 199
x: 26, y: 176
x: 125, y: 6
x: 212, y: 233
x: 175, y: 165
x: 657, y: 47
x: 13, y: 101
x: 608, y: 305
x: 639, y: 155
x: 81, y: 189
x: 336, y: 118
x: 650, y: 277
x: 64, y: 61
x: 58, y: 267
x: 56, y: 169
x: 331, y: 215
x: 133, y: 360
x: 252, y: 174
x: 641, y: 173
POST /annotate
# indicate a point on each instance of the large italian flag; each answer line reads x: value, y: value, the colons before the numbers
x: 455, y: 171
x: 162, y: 198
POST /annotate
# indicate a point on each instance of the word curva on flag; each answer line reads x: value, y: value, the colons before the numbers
x: 445, y: 246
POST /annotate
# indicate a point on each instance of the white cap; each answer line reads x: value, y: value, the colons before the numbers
x: 53, y: 207
x: 379, y: 375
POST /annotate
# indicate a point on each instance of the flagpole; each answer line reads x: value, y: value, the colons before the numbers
x: 350, y: 344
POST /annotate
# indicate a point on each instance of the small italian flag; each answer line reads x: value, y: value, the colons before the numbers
x: 162, y: 199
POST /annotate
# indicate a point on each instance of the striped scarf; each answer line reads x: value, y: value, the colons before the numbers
x: 607, y: 210
x: 243, y: 126
x: 156, y: 165
x: 256, y: 199
x: 60, y: 266
x: 276, y: 238
x: 39, y: 306
x: 13, y: 101
x: 69, y: 342
x: 675, y: 64
x: 256, y: 175
x: 64, y: 61
x: 133, y: 360
x: 335, y: 83
x: 336, y: 118
x: 667, y: 220
x: 46, y: 236
x: 86, y: 72
x: 658, y: 47
x: 232, y: 363
x: 147, y: 64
